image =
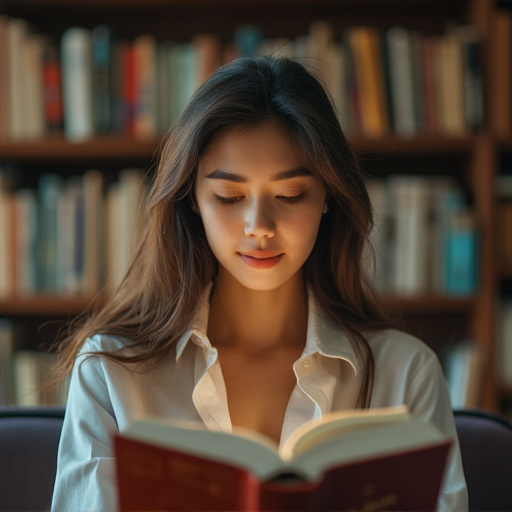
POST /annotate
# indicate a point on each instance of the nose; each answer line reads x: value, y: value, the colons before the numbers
x: 259, y: 220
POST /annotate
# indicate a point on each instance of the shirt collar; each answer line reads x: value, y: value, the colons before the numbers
x: 324, y: 336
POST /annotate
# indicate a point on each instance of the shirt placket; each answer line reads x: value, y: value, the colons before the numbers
x: 209, y: 394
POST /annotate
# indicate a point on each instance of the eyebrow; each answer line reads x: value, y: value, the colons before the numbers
x: 219, y: 174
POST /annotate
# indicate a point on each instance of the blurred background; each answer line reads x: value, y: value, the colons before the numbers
x: 88, y: 90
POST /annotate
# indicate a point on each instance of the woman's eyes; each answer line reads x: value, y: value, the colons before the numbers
x: 291, y: 199
x: 236, y: 199
x: 228, y: 200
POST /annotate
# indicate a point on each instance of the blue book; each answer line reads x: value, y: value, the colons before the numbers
x: 461, y: 253
x: 102, y: 78
x: 50, y: 190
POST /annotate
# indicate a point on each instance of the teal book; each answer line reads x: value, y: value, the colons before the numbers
x: 50, y: 191
x: 102, y: 78
x: 462, y: 250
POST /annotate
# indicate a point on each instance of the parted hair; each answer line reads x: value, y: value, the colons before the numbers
x: 157, y: 299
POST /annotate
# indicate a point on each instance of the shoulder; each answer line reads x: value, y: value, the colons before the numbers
x: 91, y: 359
x: 399, y: 345
x: 103, y: 343
x: 404, y: 362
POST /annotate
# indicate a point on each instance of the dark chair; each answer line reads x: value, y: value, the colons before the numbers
x: 486, y: 448
x: 29, y: 439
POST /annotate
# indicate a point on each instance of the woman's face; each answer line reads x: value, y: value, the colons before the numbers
x: 260, y: 205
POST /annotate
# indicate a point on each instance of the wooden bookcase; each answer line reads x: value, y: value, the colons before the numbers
x: 474, y: 157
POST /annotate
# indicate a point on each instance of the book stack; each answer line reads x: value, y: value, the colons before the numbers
x: 24, y: 372
x: 90, y: 82
x: 425, y: 236
x: 71, y: 235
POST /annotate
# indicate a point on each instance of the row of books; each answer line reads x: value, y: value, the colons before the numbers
x: 90, y: 82
x: 464, y: 366
x: 425, y: 236
x: 70, y: 235
x: 504, y: 345
x: 500, y: 66
x: 25, y: 373
x: 504, y: 223
x: 76, y: 235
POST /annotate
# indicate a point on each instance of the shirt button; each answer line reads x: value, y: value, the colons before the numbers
x: 306, y: 363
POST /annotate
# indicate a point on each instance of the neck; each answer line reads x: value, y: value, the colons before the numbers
x: 258, y: 320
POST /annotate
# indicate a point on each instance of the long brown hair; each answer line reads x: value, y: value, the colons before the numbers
x: 158, y: 297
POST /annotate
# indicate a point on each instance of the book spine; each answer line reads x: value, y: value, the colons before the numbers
x: 145, y: 122
x: 365, y: 45
x: 6, y: 238
x: 504, y: 345
x: 501, y: 73
x: 409, y: 196
x: 52, y: 90
x: 6, y: 353
x: 32, y: 87
x: 101, y: 41
x: 77, y: 83
x: 50, y: 190
x: 93, y: 231
x: 461, y: 254
x: 25, y: 249
x: 16, y: 34
x: 4, y: 79
x: 401, y: 80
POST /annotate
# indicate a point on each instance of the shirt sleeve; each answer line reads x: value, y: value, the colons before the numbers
x: 428, y: 398
x: 85, y: 465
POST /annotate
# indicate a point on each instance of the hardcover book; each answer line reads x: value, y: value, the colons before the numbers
x: 379, y: 459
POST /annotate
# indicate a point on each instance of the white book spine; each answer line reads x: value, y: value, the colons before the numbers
x: 16, y: 35
x: 409, y: 197
x: 77, y: 83
x: 401, y: 80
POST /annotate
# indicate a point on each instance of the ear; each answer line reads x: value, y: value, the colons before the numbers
x: 326, y: 203
x: 193, y: 203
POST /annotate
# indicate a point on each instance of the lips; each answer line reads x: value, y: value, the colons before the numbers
x: 261, y: 259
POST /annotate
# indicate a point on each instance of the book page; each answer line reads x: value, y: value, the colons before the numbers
x: 368, y: 443
x: 339, y: 423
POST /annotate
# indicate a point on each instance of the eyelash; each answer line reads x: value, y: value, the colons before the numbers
x: 233, y: 200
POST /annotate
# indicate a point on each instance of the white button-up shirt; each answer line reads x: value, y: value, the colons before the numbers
x: 106, y: 397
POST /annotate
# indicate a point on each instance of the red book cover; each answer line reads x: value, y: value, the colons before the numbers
x: 154, y: 478
x: 393, y: 466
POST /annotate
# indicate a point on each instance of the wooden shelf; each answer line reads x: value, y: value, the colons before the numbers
x: 417, y: 145
x: 111, y: 147
x: 429, y: 304
x: 58, y: 148
x: 44, y: 305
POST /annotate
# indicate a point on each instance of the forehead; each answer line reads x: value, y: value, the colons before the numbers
x: 263, y: 147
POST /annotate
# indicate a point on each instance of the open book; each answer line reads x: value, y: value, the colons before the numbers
x: 378, y: 459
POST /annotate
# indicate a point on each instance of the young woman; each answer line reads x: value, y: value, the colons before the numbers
x: 248, y: 302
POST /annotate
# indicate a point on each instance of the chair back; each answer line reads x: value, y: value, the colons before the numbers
x: 29, y: 439
x: 486, y: 449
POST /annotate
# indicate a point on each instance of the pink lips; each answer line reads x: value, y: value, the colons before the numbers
x: 261, y: 259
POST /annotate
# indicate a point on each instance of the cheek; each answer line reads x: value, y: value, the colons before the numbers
x: 303, y: 229
x: 218, y: 224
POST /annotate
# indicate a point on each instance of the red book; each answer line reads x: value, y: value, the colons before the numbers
x: 382, y: 459
x: 129, y: 92
x: 53, y: 108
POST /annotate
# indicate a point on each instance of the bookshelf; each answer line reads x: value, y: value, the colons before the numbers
x: 471, y: 157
